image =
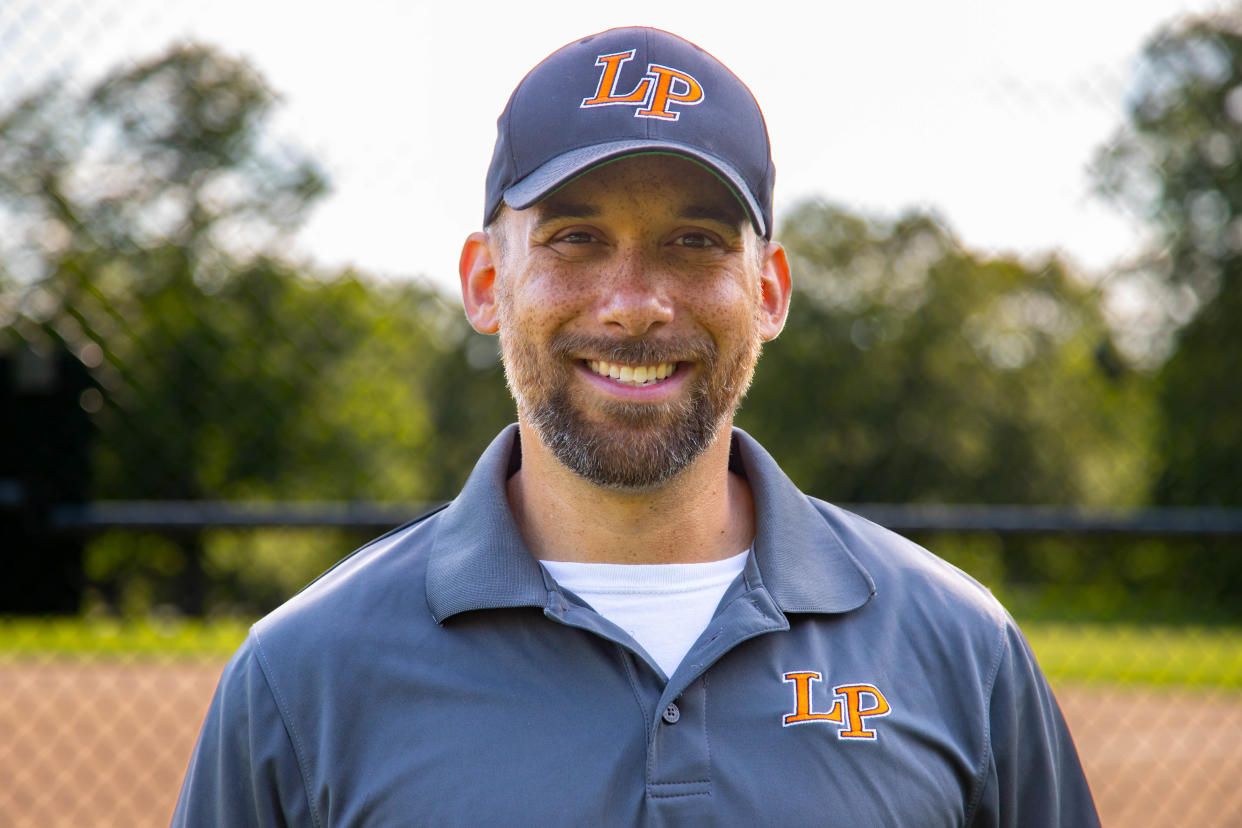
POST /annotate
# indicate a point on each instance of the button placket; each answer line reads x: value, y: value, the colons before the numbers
x: 679, y: 762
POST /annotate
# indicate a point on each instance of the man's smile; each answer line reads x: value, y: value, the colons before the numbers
x: 633, y: 375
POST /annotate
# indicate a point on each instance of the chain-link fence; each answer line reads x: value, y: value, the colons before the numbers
x: 201, y: 416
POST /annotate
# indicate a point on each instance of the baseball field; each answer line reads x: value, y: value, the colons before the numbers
x: 98, y: 732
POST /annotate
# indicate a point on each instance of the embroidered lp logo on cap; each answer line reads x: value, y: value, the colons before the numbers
x: 624, y: 92
x: 661, y: 87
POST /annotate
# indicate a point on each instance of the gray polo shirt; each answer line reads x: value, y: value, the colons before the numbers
x: 437, y: 676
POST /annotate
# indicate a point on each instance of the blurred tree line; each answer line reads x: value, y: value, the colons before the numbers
x: 155, y: 214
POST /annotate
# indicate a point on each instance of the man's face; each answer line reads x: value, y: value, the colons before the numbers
x: 630, y: 317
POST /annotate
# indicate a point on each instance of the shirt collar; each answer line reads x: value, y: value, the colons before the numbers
x: 478, y: 559
x: 802, y: 560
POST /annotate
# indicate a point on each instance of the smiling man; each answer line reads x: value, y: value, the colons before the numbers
x: 629, y: 615
x: 631, y: 305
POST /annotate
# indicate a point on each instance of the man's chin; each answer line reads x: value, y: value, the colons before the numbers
x: 658, y: 424
x: 623, y: 455
x: 627, y: 472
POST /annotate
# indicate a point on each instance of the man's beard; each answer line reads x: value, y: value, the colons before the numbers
x: 634, y: 446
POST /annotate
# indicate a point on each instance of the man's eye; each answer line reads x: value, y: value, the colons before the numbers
x: 697, y: 241
x: 577, y: 237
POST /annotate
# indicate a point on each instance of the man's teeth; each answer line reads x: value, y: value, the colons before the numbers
x: 632, y: 374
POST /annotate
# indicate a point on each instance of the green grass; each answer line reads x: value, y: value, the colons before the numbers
x: 109, y: 637
x: 1151, y: 655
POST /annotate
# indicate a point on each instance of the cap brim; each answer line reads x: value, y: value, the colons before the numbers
x: 564, y: 168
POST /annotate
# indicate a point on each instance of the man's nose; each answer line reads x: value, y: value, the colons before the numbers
x: 635, y: 297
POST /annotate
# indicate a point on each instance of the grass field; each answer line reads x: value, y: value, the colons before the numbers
x: 1186, y: 656
x: 97, y: 637
x: 1129, y: 654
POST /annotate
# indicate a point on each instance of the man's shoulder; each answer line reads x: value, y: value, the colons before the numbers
x: 909, y: 576
x: 378, y: 585
x: 924, y: 611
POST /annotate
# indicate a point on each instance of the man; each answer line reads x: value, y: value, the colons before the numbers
x: 630, y: 615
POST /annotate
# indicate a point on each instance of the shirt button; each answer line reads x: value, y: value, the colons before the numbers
x: 671, y: 714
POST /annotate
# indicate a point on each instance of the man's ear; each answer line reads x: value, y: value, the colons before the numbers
x: 478, y: 283
x: 776, y: 287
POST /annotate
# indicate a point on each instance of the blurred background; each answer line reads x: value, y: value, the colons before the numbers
x: 231, y: 349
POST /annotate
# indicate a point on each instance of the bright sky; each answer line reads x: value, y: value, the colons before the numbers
x: 987, y: 111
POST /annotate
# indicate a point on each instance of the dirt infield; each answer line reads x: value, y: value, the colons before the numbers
x: 104, y: 743
x: 1159, y: 757
x: 97, y: 743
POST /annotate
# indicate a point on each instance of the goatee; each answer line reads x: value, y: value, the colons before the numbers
x: 636, y: 446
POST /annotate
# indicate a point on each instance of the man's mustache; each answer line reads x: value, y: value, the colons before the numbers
x: 635, y: 350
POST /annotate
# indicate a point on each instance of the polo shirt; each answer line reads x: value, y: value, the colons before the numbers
x: 438, y: 676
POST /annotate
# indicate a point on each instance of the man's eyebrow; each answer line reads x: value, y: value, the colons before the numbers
x: 552, y: 210
x: 712, y: 212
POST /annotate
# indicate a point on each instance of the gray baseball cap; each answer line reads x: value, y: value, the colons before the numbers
x: 627, y: 92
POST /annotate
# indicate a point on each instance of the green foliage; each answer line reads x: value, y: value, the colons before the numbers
x: 151, y: 207
x: 156, y: 212
x: 912, y: 370
x: 155, y: 216
x: 1177, y: 162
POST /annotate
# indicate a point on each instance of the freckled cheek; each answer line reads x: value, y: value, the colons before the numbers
x: 726, y: 308
x: 547, y: 302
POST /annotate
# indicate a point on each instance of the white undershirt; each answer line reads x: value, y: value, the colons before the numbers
x: 664, y: 607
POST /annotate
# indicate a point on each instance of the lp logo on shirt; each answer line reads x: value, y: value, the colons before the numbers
x: 852, y: 705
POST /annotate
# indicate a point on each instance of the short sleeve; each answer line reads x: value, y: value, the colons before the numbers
x: 1033, y: 776
x: 244, y: 771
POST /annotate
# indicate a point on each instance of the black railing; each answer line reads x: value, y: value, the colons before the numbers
x: 179, y: 516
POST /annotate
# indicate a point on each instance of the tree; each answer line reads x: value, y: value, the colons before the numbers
x: 156, y: 211
x: 912, y: 370
x: 152, y: 208
x: 149, y: 205
x: 1176, y: 163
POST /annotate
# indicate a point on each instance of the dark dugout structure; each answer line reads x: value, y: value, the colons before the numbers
x: 44, y: 462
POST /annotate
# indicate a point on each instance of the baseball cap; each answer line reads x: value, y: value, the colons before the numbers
x: 627, y: 92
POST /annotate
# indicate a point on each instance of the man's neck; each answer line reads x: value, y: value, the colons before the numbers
x: 704, y: 513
